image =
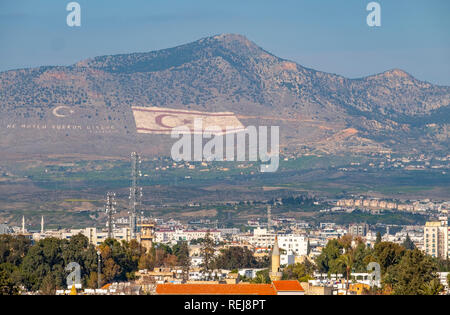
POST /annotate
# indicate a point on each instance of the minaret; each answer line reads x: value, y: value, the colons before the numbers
x: 275, y: 273
x: 23, y: 224
x: 42, y: 225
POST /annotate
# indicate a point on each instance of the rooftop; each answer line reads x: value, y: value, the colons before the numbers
x: 288, y: 285
x: 230, y: 289
x: 216, y: 289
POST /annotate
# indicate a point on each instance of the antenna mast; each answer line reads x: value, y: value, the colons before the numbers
x: 135, y: 192
x: 110, y: 211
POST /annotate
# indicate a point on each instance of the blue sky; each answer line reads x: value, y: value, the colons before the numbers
x: 327, y: 35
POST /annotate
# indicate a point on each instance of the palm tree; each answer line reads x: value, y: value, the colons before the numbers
x: 262, y: 276
x: 434, y: 287
x: 346, y: 260
x: 448, y: 283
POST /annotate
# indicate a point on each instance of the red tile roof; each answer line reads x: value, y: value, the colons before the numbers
x: 216, y: 289
x: 288, y: 285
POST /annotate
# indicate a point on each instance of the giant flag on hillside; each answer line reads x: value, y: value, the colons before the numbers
x: 158, y: 120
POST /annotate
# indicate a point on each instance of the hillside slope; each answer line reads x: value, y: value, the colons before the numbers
x: 86, y: 107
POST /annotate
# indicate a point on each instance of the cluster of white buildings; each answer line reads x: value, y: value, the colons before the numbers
x: 293, y: 244
x: 172, y: 236
x: 169, y: 236
x: 96, y: 236
x: 296, y: 241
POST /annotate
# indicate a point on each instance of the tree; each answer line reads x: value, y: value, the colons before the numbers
x: 326, y: 260
x: 111, y: 270
x: 48, y: 258
x: 133, y: 252
x: 48, y: 286
x: 415, y: 274
x: 434, y: 287
x: 92, y: 281
x: 346, y: 260
x: 362, y: 256
x: 120, y: 260
x: 79, y: 250
x: 378, y: 239
x: 238, y: 257
x: 388, y: 254
x: 181, y: 250
x: 165, y: 248
x: 300, y: 271
x: 13, y: 249
x: 170, y: 260
x: 408, y: 243
x: 147, y: 261
x: 207, y: 251
x: 262, y: 276
x: 7, y: 285
x: 346, y: 241
x: 44, y: 260
x: 448, y: 281
x: 41, y: 267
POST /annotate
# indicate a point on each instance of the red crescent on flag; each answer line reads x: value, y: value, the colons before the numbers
x: 159, y: 119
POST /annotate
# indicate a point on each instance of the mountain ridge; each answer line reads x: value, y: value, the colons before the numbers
x: 228, y: 72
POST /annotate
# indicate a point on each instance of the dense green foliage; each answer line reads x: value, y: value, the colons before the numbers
x: 207, y: 252
x: 299, y: 271
x: 414, y: 274
x: 408, y: 243
x: 359, y: 216
x: 40, y: 267
x: 404, y: 271
x: 238, y: 257
x: 262, y: 276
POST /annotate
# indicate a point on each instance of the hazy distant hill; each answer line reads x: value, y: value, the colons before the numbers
x: 317, y: 110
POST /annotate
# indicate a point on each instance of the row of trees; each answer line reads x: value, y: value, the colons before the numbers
x: 405, y: 270
x: 41, y: 266
x: 231, y: 258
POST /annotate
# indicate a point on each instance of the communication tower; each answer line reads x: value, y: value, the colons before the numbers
x: 110, y: 211
x: 135, y: 192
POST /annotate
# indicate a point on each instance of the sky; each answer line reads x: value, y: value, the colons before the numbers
x: 326, y: 35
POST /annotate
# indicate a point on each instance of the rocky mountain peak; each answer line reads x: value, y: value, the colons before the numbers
x: 393, y: 75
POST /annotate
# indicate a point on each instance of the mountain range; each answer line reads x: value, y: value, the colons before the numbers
x: 86, y: 107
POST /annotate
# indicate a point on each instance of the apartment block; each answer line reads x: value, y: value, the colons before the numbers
x: 436, y: 238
